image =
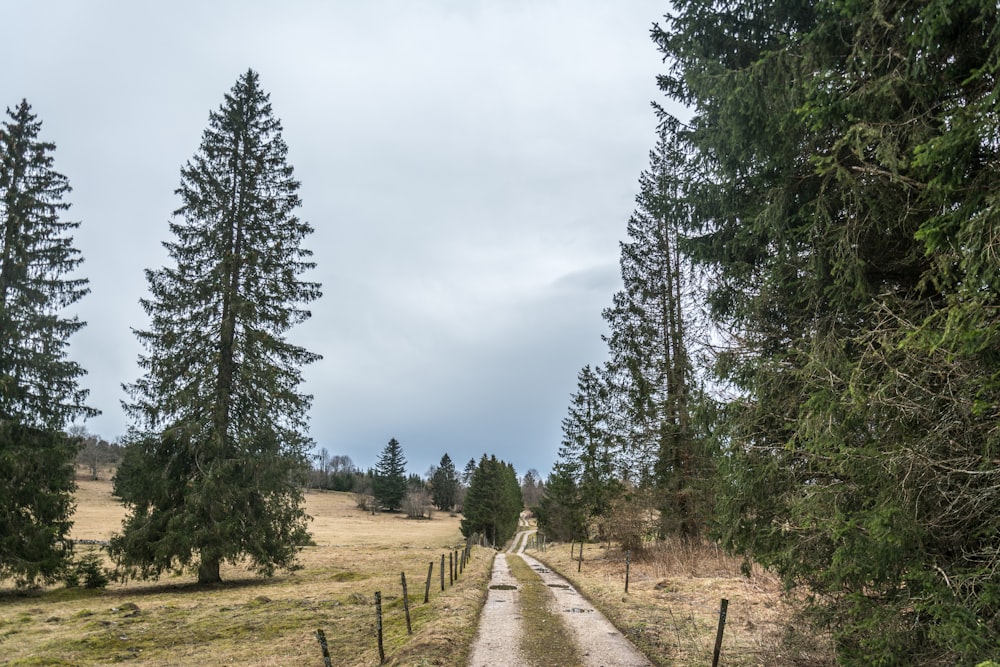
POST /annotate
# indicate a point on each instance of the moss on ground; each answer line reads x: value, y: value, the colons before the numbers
x: 546, y: 641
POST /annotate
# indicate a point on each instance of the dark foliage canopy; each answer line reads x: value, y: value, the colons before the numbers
x: 389, y: 484
x: 493, y: 503
x: 217, y: 450
x: 445, y: 484
x: 39, y: 391
x: 843, y: 196
x: 38, y: 385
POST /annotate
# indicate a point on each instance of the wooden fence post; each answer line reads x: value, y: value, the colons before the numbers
x: 628, y: 559
x: 321, y: 636
x: 406, y: 605
x: 427, y: 588
x: 442, y: 572
x: 718, y: 635
x: 378, y: 626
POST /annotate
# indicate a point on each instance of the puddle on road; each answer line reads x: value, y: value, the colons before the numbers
x: 503, y: 587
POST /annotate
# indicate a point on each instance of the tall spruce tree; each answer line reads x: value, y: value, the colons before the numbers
x: 444, y: 485
x: 561, y: 512
x: 218, y: 444
x: 844, y: 198
x: 588, y: 446
x: 493, y: 503
x: 389, y: 484
x: 650, y: 367
x: 39, y: 390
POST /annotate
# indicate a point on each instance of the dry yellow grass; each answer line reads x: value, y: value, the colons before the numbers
x: 253, y: 621
x: 671, y: 611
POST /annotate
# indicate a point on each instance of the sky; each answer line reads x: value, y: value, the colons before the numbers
x: 468, y: 166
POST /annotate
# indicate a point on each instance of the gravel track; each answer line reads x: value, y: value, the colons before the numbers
x: 497, y: 642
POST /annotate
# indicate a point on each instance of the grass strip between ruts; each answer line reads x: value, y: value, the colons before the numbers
x: 547, y: 641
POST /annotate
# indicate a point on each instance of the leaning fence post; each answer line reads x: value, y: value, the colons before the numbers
x: 718, y: 635
x: 321, y: 636
x: 406, y: 605
x: 378, y: 626
x: 427, y: 588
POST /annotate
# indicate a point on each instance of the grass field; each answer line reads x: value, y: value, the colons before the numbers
x: 671, y: 610
x: 251, y: 621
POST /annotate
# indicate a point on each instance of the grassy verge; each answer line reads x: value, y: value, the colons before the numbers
x: 546, y: 641
x: 671, y: 611
x: 252, y: 621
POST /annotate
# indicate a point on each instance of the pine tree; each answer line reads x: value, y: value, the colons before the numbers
x: 38, y: 385
x: 469, y: 471
x: 651, y: 367
x: 39, y: 393
x: 218, y: 447
x: 561, y: 513
x: 588, y: 446
x: 444, y: 485
x: 493, y: 503
x: 843, y: 191
x: 389, y: 483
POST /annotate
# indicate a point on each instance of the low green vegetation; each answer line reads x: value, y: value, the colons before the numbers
x: 259, y: 621
x: 547, y: 641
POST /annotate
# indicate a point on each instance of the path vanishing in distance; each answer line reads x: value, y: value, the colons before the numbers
x: 498, y: 640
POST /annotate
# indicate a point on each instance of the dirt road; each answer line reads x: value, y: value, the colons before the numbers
x: 498, y: 642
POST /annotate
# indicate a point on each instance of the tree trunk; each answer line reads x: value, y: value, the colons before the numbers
x: 208, y: 571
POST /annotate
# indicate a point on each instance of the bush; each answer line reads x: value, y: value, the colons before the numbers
x: 87, y: 570
x: 632, y: 523
x: 418, y: 505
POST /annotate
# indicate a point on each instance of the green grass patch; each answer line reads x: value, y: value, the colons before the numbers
x: 546, y: 641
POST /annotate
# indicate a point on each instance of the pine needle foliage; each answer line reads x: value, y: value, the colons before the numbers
x: 583, y: 483
x: 844, y: 200
x: 39, y: 390
x: 389, y: 484
x: 218, y: 446
x: 38, y: 384
x: 650, y: 367
x: 493, y: 502
x: 445, y: 484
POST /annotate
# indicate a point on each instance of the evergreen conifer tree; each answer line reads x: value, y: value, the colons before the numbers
x: 39, y: 391
x: 444, y: 485
x: 561, y: 513
x: 389, y: 483
x: 650, y: 364
x: 844, y: 199
x: 588, y: 446
x: 218, y: 444
x: 493, y: 503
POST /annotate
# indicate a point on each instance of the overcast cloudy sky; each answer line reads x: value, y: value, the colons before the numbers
x: 469, y: 168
